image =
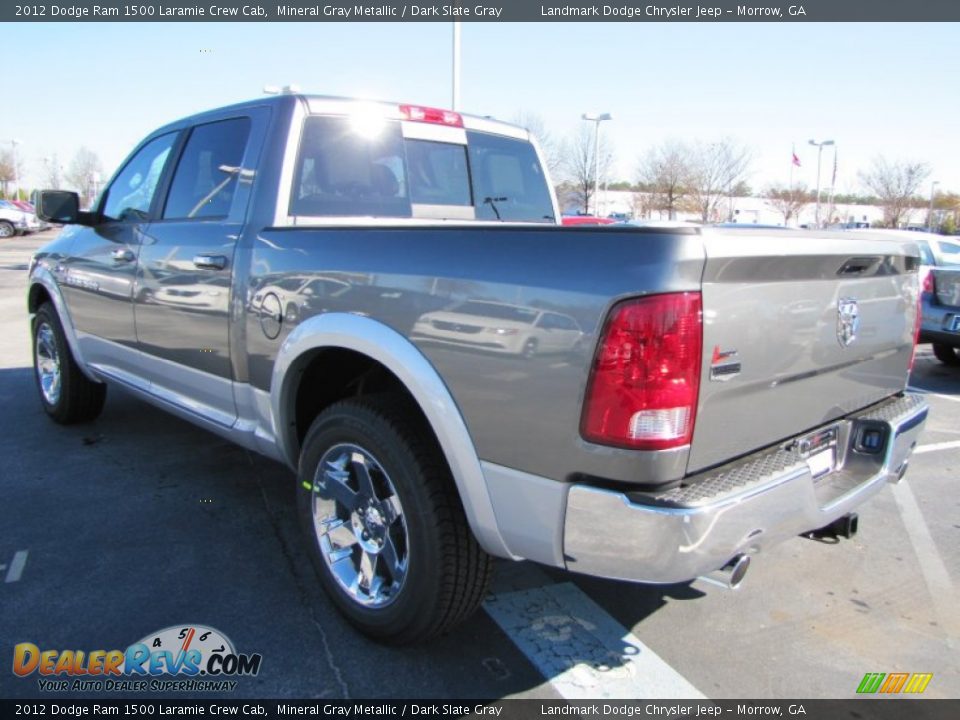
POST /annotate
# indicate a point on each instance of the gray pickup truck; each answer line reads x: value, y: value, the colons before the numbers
x: 380, y: 296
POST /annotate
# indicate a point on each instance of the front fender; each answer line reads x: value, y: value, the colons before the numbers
x: 395, y: 352
x: 41, y: 275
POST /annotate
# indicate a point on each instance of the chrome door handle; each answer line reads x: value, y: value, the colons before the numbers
x: 122, y: 255
x: 210, y: 262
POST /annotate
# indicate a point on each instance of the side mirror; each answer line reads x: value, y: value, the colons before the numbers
x: 57, y: 206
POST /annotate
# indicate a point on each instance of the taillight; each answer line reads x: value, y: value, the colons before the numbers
x: 437, y: 116
x: 645, y: 379
x: 929, y: 286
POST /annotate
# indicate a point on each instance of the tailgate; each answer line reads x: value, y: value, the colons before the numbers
x: 798, y: 329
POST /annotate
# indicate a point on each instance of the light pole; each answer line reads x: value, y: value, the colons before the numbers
x: 819, y: 146
x: 933, y: 193
x: 456, y: 66
x: 596, y: 118
x: 16, y: 173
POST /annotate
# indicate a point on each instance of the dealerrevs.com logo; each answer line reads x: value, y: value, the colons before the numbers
x: 185, y: 658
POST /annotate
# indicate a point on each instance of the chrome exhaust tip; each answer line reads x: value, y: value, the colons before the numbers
x: 730, y: 575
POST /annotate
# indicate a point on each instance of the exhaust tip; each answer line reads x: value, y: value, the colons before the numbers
x: 738, y: 572
x: 730, y: 575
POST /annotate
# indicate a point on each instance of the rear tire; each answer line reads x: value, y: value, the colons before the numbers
x: 946, y: 354
x: 67, y: 395
x: 7, y: 230
x: 386, y: 530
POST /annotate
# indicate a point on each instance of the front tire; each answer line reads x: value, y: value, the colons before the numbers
x: 67, y: 395
x: 386, y: 530
x: 946, y: 354
x: 7, y: 230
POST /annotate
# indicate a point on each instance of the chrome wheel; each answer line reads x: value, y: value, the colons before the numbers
x: 360, y: 527
x: 48, y: 364
x: 7, y: 230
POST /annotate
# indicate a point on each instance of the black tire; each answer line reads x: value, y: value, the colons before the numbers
x: 77, y: 399
x: 946, y: 354
x: 7, y: 230
x: 446, y: 573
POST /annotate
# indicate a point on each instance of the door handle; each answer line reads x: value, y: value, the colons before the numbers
x: 210, y: 262
x: 122, y: 255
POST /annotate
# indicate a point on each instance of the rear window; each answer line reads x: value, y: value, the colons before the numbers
x: 342, y: 171
x: 508, y: 182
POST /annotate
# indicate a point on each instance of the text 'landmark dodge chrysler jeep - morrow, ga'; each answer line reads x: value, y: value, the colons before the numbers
x: 381, y: 296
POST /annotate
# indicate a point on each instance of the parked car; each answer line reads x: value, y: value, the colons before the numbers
x: 737, y: 388
x: 573, y: 220
x: 14, y: 221
x: 501, y: 327
x: 940, y: 310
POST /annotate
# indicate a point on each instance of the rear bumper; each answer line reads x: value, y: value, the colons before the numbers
x: 736, y: 509
x: 936, y: 321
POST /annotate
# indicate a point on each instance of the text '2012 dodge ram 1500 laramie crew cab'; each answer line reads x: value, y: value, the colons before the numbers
x: 381, y: 297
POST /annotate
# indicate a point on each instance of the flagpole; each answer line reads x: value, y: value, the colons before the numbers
x: 793, y: 154
x: 833, y: 180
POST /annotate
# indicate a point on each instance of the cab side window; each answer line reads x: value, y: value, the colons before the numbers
x: 206, y: 177
x: 131, y: 193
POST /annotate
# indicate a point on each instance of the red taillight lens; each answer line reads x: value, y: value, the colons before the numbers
x: 929, y: 286
x: 645, y: 380
x: 417, y: 113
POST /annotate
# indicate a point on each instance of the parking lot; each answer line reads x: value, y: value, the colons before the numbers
x: 140, y: 521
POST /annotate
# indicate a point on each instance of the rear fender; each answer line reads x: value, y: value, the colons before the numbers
x: 395, y: 352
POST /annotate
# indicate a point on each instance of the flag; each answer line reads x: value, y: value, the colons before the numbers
x: 796, y: 160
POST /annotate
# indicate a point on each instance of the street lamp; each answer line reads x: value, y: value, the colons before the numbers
x: 933, y: 192
x: 596, y: 118
x: 819, y: 146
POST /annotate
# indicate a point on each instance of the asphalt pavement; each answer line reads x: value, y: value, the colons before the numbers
x: 112, y: 531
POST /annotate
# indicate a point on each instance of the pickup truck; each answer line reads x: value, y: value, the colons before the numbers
x: 344, y: 286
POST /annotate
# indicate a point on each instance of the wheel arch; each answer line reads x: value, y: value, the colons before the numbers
x: 380, y: 346
x: 43, y: 288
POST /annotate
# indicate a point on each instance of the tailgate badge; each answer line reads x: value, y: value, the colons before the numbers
x: 848, y: 320
x: 724, y: 365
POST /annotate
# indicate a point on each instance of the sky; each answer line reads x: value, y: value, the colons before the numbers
x: 873, y: 88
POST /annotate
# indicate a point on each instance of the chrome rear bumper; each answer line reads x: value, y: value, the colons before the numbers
x: 740, y: 508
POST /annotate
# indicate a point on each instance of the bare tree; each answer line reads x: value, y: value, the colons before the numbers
x: 8, y: 173
x: 664, y: 170
x: 84, y: 174
x: 548, y: 144
x: 52, y: 177
x: 895, y: 183
x: 579, y: 165
x: 788, y: 201
x: 716, y: 169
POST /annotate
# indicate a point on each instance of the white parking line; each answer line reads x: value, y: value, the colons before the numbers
x: 931, y: 564
x: 582, y: 651
x: 16, y: 567
x: 933, y: 447
x: 952, y: 398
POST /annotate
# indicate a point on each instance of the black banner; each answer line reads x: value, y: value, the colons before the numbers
x: 859, y: 708
x: 710, y: 11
